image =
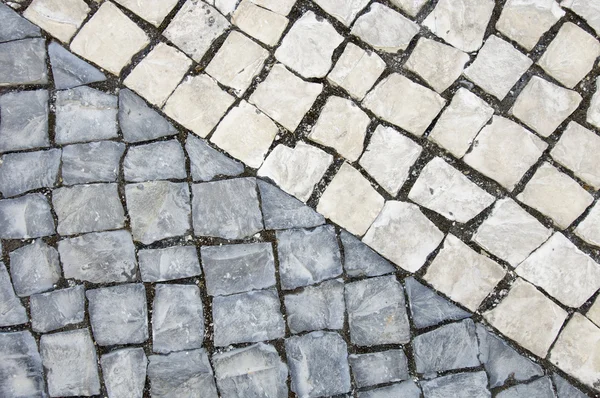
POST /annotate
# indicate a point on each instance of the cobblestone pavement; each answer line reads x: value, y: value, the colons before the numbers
x: 274, y: 198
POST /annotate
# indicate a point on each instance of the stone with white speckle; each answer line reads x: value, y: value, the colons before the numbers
x: 34, y: 268
x: 57, y: 309
x: 91, y: 162
x: 27, y: 216
x: 124, y: 372
x: 170, y: 263
x: 24, y: 120
x: 21, y: 372
x: 23, y: 62
x: 155, y: 161
x: 22, y: 172
x: 316, y: 307
x: 379, y: 367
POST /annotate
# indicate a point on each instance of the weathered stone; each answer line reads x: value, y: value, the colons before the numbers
x: 411, y: 7
x: 60, y: 18
x: 88, y: 208
x: 118, y: 314
x: 588, y: 10
x: 285, y: 97
x: 124, y: 372
x: 226, y: 7
x: 377, y: 312
x: 226, y: 209
x: 21, y: 372
x: 379, y: 367
x: 316, y: 307
x: 385, y: 29
x: 504, y: 151
x: 576, y: 150
x: 308, y: 46
x: 511, y: 233
x: 91, y: 162
x: 318, y: 364
x: 86, y: 258
x: 14, y: 26
x: 589, y: 228
x: 158, y: 74
x: 458, y: 385
x: 23, y: 62
x: 230, y: 269
x: 139, y: 122
x: 543, y: 106
x: 556, y: 195
x: 198, y: 104
x: 445, y: 190
x: 361, y: 260
x: 343, y: 10
x: 259, y: 22
x: 429, y: 308
x: 24, y: 120
x: 22, y: 172
x: 571, y: 55
x: 247, y: 317
x: 177, y: 318
x: 402, y: 234
x: 237, y: 62
x: 407, y: 389
x: 109, y: 39
x: 71, y: 363
x: 12, y: 311
x: 57, y: 309
x: 512, y: 317
x: 498, y: 67
x: 356, y: 71
x: 564, y: 389
x: 155, y: 161
x: 282, y: 7
x: 153, y: 11
x: 246, y: 134
x: 84, y: 114
x: 287, y: 167
x: 159, y: 265
x: 408, y: 105
x: 69, y: 70
x: 34, y: 268
x: 206, y: 163
x: 26, y: 217
x: 350, y: 201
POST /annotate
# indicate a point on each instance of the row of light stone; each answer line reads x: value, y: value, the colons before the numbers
x: 110, y: 39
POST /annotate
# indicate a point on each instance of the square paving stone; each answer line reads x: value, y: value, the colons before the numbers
x: 91, y: 162
x: 21, y: 372
x: 307, y: 256
x: 22, y: 172
x: 504, y: 151
x: 34, y: 268
x: 153, y: 11
x: 259, y: 22
x: 462, y: 274
x: 24, y: 120
x: 155, y: 161
x: 361, y: 260
x: 230, y: 269
x: 88, y: 208
x: 158, y: 210
x: 138, y: 121
x: 55, y: 310
x: 377, y: 312
x: 206, y: 162
x: 589, y: 228
x: 85, y: 257
x: 253, y: 371
x: 343, y: 11
x: 60, y: 18
x: 71, y: 363
x: 379, y: 367
x: 247, y: 318
x: 556, y: 195
x: 118, y: 314
x: 318, y: 364
x: 124, y: 372
x: 12, y: 311
x: 14, y: 26
x: 181, y: 374
x: 226, y: 209
x: 159, y: 265
x: 23, y: 62
x: 198, y: 104
x: 84, y: 114
x: 512, y: 317
x: 316, y: 307
x: 109, y: 39
x: 177, y: 318
x: 457, y: 385
x: 26, y: 217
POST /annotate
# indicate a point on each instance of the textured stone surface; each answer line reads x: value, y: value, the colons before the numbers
x: 124, y: 372
x: 316, y: 307
x: 23, y: 62
x: 21, y: 367
x: 57, y: 309
x: 60, y: 18
x: 27, y: 216
x: 24, y: 120
x: 282, y: 7
x: 12, y: 311
x: 318, y: 364
x: 206, y: 162
x: 408, y: 389
x: 593, y: 112
x: 576, y: 150
x: 343, y: 10
x: 155, y: 161
x: 260, y: 23
x: 15, y: 27
x: 153, y: 11
x: 589, y: 228
x: 361, y: 260
x: 512, y: 317
x: 379, y: 367
x: 70, y: 71
x: 458, y: 385
x: 34, y: 268
x: 564, y: 389
x: 350, y: 201
x: 402, y: 234
x: 139, y: 122
x: 462, y: 274
x: 159, y: 265
x: 22, y: 172
x: 91, y: 162
x: 588, y: 10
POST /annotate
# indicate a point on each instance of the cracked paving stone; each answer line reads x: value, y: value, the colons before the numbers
x: 91, y: 162
x: 22, y: 172
x: 177, y: 318
x: 139, y: 122
x: 206, y: 163
x: 226, y: 209
x: 70, y: 71
x: 230, y: 269
x: 589, y: 228
x: 26, y: 217
x: 85, y: 257
x: 158, y: 210
x: 12, y: 311
x: 34, y: 268
x: 60, y: 18
x: 24, y: 120
x: 379, y: 367
x: 343, y: 10
x: 15, y: 27
x: 21, y: 372
x: 23, y: 62
x: 318, y: 364
x: 124, y: 372
x: 316, y: 307
x: 57, y: 309
x: 377, y: 312
x: 540, y: 388
x: 155, y: 161
x: 118, y: 314
x: 247, y: 318
x: 361, y: 260
x: 307, y: 256
x: 254, y: 371
x: 260, y: 23
x: 181, y: 374
x: 458, y: 385
x: 71, y: 363
x: 282, y: 7
x: 407, y: 389
x: 88, y: 208
x: 153, y: 11
x: 159, y: 265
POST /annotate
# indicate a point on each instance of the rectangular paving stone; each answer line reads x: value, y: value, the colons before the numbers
x: 408, y: 389
x: 379, y: 367
x: 458, y: 385
x: 21, y: 372
x: 124, y: 372
x: 12, y: 311
x: 160, y: 160
x: 60, y: 18
x: 26, y: 217
x: 91, y: 162
x: 34, y: 268
x: 24, y: 120
x: 22, y: 172
x: 57, y: 309
x: 23, y: 62
x: 170, y: 263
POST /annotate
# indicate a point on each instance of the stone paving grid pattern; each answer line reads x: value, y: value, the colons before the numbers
x: 414, y: 121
